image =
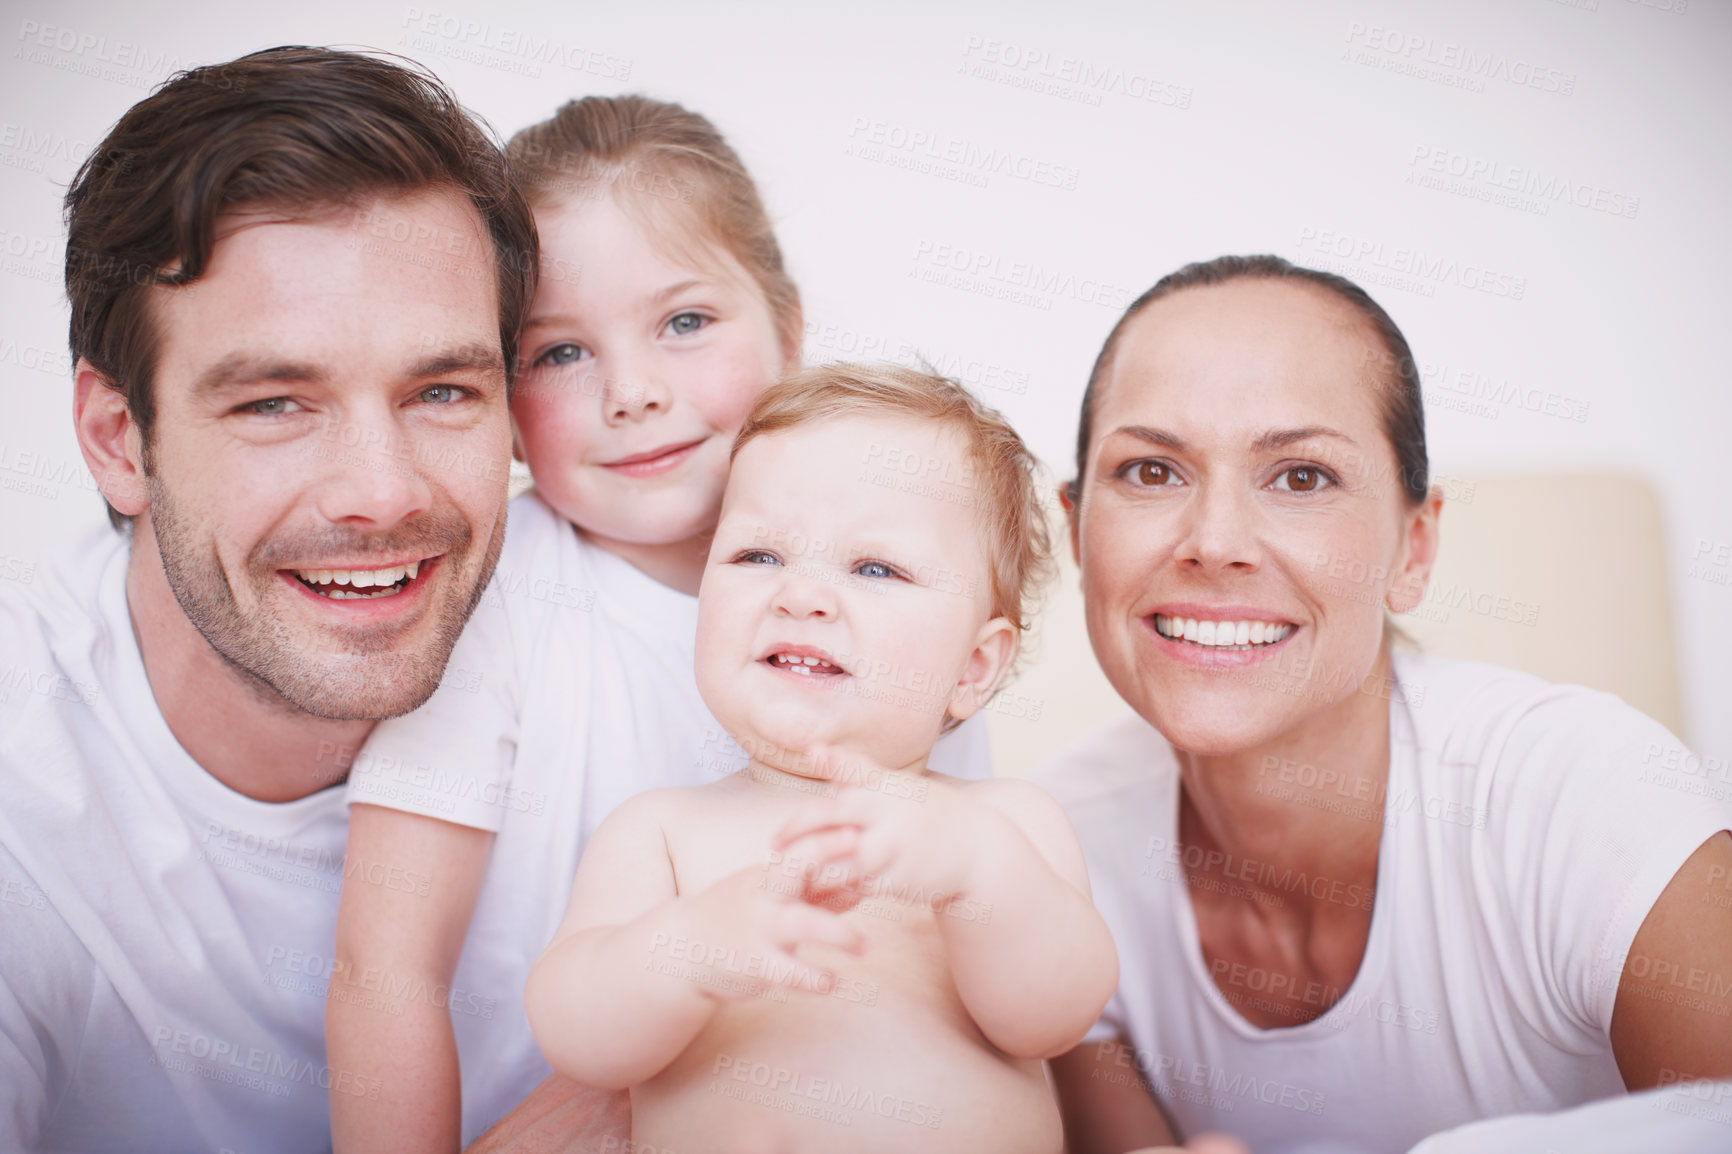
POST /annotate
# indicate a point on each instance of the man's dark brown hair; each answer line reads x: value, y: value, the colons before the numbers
x: 289, y: 128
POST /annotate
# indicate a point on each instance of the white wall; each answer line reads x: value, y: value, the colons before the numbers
x: 1169, y: 131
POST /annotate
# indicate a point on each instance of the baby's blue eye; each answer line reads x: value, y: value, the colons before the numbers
x: 758, y: 557
x: 874, y: 569
x: 563, y: 353
x: 684, y: 324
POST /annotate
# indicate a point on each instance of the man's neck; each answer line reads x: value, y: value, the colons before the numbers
x: 238, y: 729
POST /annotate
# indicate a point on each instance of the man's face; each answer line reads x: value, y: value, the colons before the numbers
x: 327, y: 472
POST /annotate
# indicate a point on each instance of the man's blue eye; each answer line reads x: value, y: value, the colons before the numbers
x: 563, y: 353
x: 687, y: 323
x: 874, y: 569
x: 271, y: 406
x: 439, y: 394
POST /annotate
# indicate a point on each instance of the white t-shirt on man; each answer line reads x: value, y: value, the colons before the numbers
x: 1528, y: 829
x: 161, y: 936
x: 571, y: 690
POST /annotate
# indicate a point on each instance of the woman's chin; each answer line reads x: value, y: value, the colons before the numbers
x: 1215, y: 724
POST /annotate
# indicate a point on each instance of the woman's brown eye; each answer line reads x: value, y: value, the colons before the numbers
x: 1152, y: 473
x: 1301, y: 480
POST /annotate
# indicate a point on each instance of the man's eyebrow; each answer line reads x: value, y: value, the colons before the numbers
x: 239, y: 369
x: 465, y: 358
x: 1280, y: 438
x: 250, y: 368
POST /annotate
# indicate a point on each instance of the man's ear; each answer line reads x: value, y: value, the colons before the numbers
x: 1071, y: 526
x: 108, y: 438
x: 1418, y: 553
x: 995, y: 649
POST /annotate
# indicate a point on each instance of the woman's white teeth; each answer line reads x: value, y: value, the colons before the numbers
x: 379, y: 579
x: 1221, y: 634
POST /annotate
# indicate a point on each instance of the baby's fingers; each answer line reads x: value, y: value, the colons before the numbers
x: 799, y: 924
x: 810, y: 854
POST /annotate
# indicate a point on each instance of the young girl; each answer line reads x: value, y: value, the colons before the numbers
x: 663, y: 311
x: 882, y: 968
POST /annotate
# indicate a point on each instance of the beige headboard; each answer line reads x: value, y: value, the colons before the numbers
x: 1560, y: 575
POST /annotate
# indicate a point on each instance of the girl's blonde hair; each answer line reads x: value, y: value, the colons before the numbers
x: 657, y: 157
x: 1004, y: 487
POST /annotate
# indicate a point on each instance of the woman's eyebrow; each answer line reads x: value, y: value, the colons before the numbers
x: 1281, y: 438
x: 1154, y: 436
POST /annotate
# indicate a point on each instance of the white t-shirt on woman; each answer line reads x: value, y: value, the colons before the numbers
x: 1528, y: 830
x: 571, y: 690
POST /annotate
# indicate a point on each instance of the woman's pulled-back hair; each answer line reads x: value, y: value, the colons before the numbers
x: 1403, y: 406
x: 652, y: 155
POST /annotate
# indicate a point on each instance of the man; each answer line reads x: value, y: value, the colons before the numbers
x: 296, y: 284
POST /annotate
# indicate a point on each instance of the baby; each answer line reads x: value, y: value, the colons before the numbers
x: 836, y: 948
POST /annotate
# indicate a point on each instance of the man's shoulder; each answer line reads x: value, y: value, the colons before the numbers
x: 52, y: 620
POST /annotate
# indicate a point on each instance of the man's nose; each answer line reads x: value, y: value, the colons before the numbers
x: 373, y: 480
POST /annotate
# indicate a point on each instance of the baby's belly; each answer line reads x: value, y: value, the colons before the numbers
x: 883, y: 1064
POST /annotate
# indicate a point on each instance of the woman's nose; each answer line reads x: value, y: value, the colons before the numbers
x: 1219, y: 530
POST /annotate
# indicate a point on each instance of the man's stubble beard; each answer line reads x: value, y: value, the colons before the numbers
x: 370, y: 682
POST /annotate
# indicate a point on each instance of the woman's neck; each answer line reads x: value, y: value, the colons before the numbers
x: 1312, y: 800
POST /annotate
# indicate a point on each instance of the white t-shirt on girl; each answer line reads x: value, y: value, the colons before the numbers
x: 571, y: 690
x: 1528, y: 830
x: 163, y: 939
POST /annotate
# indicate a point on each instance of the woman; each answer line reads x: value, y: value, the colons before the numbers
x: 1359, y: 898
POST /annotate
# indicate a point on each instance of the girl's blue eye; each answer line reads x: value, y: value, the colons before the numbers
x: 758, y: 557
x: 874, y: 569
x: 563, y: 353
x: 683, y: 324
x: 439, y: 394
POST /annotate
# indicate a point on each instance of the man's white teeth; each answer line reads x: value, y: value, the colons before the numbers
x: 380, y: 579
x: 1221, y: 634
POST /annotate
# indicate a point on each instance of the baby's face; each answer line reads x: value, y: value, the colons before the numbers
x: 847, y: 599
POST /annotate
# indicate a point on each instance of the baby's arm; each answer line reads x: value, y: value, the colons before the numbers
x: 409, y: 891
x: 1001, y: 867
x: 622, y: 991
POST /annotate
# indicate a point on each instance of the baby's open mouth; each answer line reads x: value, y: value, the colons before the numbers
x: 1222, y: 634
x: 354, y: 584
x: 803, y: 665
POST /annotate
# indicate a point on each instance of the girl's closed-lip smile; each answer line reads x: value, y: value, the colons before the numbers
x: 654, y: 461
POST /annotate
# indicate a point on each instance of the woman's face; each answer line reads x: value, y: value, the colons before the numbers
x: 1242, y: 524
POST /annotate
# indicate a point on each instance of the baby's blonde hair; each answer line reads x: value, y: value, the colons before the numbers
x: 1004, y: 487
x: 653, y: 156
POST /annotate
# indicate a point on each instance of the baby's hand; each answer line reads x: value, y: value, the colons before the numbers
x: 917, y: 845
x: 743, y: 932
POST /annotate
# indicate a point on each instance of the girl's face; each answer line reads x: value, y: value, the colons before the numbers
x: 640, y: 367
x: 1242, y: 523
